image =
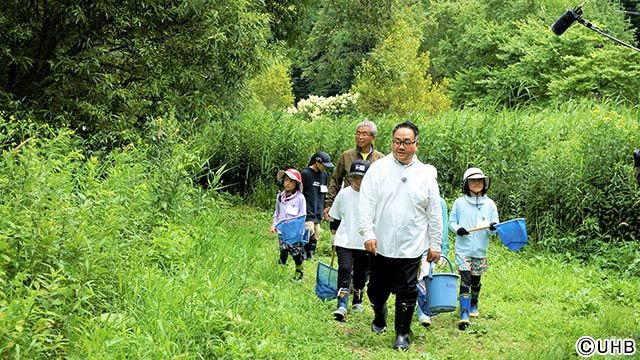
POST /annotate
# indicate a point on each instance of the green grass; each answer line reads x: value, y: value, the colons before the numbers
x: 119, y: 255
x: 227, y: 298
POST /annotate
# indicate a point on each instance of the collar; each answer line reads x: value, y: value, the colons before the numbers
x: 475, y: 200
x: 370, y: 149
x: 413, y: 161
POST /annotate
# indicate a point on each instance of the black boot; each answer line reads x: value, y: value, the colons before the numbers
x: 379, y: 324
x: 310, y: 249
x: 404, y: 314
x: 357, y: 300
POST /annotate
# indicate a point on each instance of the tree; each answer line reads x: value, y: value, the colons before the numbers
x: 344, y: 32
x: 105, y: 66
x: 394, y: 77
x: 502, y: 52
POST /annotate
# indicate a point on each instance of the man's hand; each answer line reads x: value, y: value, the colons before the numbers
x: 371, y: 246
x: 325, y: 214
x: 432, y: 255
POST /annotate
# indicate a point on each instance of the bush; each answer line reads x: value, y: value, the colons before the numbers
x: 272, y: 87
x: 72, y: 223
x: 567, y: 169
x: 315, y: 107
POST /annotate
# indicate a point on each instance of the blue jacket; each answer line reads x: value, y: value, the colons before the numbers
x: 470, y: 212
x: 445, y: 231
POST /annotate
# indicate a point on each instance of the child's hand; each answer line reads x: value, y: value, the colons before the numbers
x: 273, y: 229
x: 325, y: 214
x: 492, y: 226
x: 462, y: 231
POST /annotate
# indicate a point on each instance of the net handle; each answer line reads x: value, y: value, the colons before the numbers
x: 333, y: 254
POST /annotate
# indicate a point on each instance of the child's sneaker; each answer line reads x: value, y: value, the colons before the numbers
x: 424, y: 320
x: 297, y: 277
x: 358, y: 308
x: 340, y: 314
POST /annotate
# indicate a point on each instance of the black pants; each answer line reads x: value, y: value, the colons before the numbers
x: 353, y: 265
x: 284, y: 255
x: 393, y: 275
x: 469, y: 282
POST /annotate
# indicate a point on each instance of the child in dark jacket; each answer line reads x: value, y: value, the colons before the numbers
x: 315, y: 180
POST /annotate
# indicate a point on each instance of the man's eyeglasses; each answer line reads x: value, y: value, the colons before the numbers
x: 363, y: 133
x: 406, y: 143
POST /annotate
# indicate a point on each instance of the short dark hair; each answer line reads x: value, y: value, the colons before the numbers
x: 409, y: 125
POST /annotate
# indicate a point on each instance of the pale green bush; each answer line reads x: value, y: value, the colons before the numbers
x: 272, y: 87
x: 395, y: 78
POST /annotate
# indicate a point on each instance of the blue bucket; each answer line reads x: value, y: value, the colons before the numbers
x: 441, y: 291
x: 513, y: 233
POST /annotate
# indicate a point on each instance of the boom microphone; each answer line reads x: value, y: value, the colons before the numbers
x: 562, y: 24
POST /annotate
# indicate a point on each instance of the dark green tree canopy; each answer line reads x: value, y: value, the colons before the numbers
x: 105, y: 65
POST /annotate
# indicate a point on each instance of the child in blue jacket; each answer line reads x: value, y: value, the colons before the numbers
x: 473, y: 210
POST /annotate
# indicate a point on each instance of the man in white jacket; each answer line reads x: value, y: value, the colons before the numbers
x: 400, y: 220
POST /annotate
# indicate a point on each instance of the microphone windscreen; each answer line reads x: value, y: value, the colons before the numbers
x: 562, y: 24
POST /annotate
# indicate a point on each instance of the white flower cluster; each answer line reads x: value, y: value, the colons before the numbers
x: 317, y: 106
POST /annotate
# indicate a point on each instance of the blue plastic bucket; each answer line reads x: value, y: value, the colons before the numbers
x: 441, y: 290
x: 513, y: 233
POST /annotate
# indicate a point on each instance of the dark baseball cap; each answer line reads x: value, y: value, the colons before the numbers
x: 324, y: 158
x: 359, y: 168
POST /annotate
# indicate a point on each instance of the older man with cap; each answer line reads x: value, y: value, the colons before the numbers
x: 315, y: 181
x: 400, y: 220
x: 366, y: 132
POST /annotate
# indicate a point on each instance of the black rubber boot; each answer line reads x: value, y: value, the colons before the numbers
x: 404, y: 314
x: 379, y: 324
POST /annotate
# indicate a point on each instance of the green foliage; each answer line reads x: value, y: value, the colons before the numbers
x: 566, y: 169
x: 105, y: 69
x: 272, y: 86
x: 612, y: 73
x: 73, y: 224
x: 503, y: 53
x: 394, y: 78
x: 343, y: 33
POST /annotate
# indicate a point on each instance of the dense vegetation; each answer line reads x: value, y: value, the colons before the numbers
x: 139, y: 143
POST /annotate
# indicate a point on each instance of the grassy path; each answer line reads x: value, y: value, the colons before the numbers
x: 222, y: 295
x: 531, y: 307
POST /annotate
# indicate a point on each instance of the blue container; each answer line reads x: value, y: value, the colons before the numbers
x: 442, y: 290
x: 513, y: 233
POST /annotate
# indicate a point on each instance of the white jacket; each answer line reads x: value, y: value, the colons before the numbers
x: 400, y: 208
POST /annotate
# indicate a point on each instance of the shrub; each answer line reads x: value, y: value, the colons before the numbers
x: 315, y: 107
x: 272, y: 87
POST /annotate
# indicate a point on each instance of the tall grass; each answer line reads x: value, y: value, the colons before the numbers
x: 567, y: 168
x: 120, y: 255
